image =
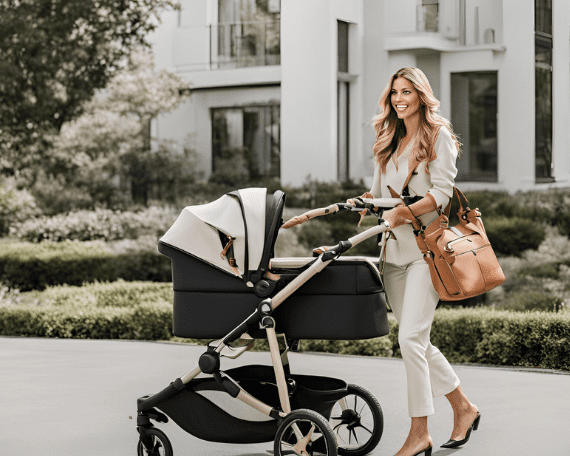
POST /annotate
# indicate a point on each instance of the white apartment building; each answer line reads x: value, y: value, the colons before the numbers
x: 292, y: 85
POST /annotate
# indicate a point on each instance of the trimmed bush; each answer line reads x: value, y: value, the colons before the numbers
x: 145, y: 322
x: 381, y: 346
x: 119, y: 310
x: 480, y: 336
x: 512, y: 236
x: 114, y: 294
x: 28, y: 266
x: 144, y: 311
x: 100, y: 224
x: 530, y: 300
x: 528, y: 339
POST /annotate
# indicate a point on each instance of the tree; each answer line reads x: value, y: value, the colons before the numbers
x: 109, y: 145
x: 54, y: 56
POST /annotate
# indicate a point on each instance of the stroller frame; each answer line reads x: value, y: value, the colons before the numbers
x: 152, y: 440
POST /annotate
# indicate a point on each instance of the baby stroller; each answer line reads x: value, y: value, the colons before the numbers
x: 228, y: 287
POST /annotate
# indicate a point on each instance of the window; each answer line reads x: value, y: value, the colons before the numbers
x: 247, y: 34
x: 427, y: 16
x: 543, y: 90
x: 246, y: 138
x: 343, y: 105
x: 474, y: 119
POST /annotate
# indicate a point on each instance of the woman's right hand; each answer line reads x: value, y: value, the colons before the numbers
x: 365, y: 195
x: 352, y: 202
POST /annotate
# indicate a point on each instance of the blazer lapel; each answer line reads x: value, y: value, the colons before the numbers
x: 412, y: 166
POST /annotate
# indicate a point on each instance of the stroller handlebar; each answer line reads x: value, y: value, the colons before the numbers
x: 369, y: 203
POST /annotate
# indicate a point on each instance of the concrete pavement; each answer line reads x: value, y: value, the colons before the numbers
x: 75, y: 397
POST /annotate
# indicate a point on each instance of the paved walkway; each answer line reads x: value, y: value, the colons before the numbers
x: 75, y: 397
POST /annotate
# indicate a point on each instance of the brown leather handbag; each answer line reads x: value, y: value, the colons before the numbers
x: 460, y: 258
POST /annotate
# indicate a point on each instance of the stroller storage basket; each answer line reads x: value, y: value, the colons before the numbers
x: 206, y: 411
x: 344, y: 301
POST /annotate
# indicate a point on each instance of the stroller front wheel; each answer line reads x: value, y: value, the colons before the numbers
x: 357, y: 422
x: 305, y: 433
x: 161, y: 446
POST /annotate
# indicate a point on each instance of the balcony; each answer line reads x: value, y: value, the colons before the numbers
x: 244, y: 44
x: 444, y: 25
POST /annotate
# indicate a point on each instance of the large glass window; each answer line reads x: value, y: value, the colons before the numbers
x: 246, y: 138
x: 474, y: 119
x: 543, y: 90
x: 247, y: 34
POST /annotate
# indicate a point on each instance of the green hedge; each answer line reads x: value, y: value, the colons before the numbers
x: 99, y: 224
x: 119, y: 310
x: 529, y: 339
x: 512, y: 236
x: 31, y: 266
x: 138, y: 310
x: 479, y: 336
x: 145, y: 322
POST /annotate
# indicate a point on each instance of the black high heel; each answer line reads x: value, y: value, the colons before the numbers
x: 426, y: 451
x: 455, y: 443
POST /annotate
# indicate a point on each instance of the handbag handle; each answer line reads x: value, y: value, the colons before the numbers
x: 460, y: 196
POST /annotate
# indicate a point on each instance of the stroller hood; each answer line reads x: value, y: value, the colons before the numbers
x: 247, y: 219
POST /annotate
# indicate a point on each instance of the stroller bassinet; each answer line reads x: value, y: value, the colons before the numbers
x: 212, y: 294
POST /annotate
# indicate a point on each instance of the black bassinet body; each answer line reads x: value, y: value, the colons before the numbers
x: 343, y: 301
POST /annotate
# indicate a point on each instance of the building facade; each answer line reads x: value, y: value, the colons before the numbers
x: 287, y: 88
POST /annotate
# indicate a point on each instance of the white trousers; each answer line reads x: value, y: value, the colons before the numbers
x: 413, y: 299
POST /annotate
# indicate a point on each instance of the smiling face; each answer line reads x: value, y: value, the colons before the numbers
x: 404, y: 98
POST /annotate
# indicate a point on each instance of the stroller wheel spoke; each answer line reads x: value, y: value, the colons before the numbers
x: 365, y: 428
x: 358, y: 427
x: 355, y: 437
x: 305, y: 433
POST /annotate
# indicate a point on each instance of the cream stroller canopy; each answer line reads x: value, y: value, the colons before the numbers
x: 236, y: 233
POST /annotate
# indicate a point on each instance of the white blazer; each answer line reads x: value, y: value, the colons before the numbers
x: 401, y: 248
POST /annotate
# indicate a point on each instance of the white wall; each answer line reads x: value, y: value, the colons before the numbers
x: 516, y: 97
x: 561, y: 91
x: 399, y: 16
x: 490, y: 17
x: 309, y: 87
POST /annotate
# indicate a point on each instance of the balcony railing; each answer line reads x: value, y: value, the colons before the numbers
x: 245, y: 44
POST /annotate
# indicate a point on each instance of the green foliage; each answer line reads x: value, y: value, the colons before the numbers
x: 231, y: 168
x: 55, y: 55
x: 100, y: 224
x: 16, y: 205
x: 30, y: 266
x: 550, y: 206
x: 529, y: 339
x: 123, y: 310
x: 146, y: 322
x: 380, y: 346
x: 315, y: 194
x: 530, y: 300
x: 512, y: 236
x: 113, y: 294
x: 546, y: 270
x: 118, y: 310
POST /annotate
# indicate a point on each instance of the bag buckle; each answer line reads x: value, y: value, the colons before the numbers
x: 421, y: 230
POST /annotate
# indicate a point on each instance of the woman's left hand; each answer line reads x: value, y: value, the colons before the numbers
x: 400, y: 215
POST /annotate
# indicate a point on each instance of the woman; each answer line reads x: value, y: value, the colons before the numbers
x: 416, y: 148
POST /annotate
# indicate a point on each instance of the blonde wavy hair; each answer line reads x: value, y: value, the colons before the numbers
x: 390, y: 129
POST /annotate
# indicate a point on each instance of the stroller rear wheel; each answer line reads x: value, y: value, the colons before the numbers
x: 305, y: 433
x: 161, y: 446
x: 357, y: 422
